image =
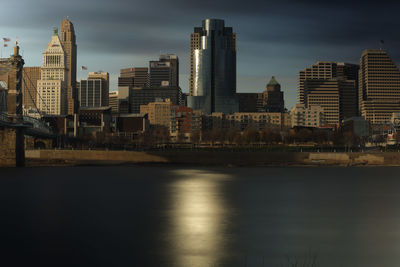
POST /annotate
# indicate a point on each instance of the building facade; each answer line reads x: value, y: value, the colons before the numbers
x: 113, y: 102
x: 159, y: 112
x: 143, y: 96
x: 52, y: 87
x: 93, y: 93
x: 326, y: 70
x: 273, y: 97
x: 213, y: 68
x: 379, y: 86
x: 68, y: 41
x: 184, y: 122
x: 30, y: 76
x: 332, y: 86
x: 134, y: 77
x: 311, y: 116
x: 164, y: 72
x: 251, y: 102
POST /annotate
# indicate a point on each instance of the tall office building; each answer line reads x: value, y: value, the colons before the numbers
x: 105, y: 77
x: 331, y: 85
x: 93, y: 92
x: 68, y: 41
x: 52, y: 87
x: 325, y: 70
x: 337, y: 98
x: 379, y: 86
x: 320, y: 70
x: 213, y: 68
x: 30, y: 76
x: 134, y: 77
x: 273, y: 97
x: 164, y: 72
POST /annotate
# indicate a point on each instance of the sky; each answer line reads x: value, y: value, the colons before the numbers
x: 274, y: 38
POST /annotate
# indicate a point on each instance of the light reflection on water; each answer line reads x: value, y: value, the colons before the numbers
x: 198, y: 217
x: 169, y: 216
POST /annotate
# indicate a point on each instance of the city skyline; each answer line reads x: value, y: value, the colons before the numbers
x: 291, y: 35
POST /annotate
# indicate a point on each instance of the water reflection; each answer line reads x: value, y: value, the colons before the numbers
x: 199, y: 218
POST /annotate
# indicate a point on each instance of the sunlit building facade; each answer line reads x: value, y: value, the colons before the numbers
x: 52, y: 87
x: 213, y: 68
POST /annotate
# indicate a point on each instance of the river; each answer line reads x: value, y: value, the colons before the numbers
x: 187, y: 216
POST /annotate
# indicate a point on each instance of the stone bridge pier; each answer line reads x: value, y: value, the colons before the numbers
x: 12, y: 152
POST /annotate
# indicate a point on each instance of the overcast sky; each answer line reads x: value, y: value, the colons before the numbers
x: 273, y: 37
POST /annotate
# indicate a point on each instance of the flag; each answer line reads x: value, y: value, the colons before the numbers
x: 84, y: 68
x: 382, y: 41
x: 6, y: 39
x: 5, y: 45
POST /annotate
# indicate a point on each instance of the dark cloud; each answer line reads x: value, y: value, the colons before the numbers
x: 273, y: 36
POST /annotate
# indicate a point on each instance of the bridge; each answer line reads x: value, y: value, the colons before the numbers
x: 14, y: 126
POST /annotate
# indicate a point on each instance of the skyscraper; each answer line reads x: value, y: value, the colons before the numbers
x: 165, y: 71
x: 213, y: 68
x: 68, y: 41
x: 52, y: 87
x: 331, y: 85
x: 379, y: 86
x: 337, y: 97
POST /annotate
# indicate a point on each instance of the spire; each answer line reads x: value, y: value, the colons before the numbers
x: 55, y: 31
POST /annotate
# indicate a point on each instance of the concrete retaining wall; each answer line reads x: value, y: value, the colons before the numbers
x: 216, y: 157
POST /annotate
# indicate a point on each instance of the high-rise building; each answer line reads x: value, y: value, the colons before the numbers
x: 326, y: 70
x: 105, y: 77
x: 273, y: 97
x: 68, y: 41
x: 134, y: 77
x: 379, y: 86
x: 336, y: 97
x: 213, y: 68
x: 30, y: 76
x: 52, y: 87
x: 165, y: 71
x: 332, y: 86
x: 93, y: 92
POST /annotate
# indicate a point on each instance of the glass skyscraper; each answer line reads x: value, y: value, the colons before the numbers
x: 213, y: 68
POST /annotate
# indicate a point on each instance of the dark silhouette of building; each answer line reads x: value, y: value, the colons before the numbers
x: 273, y: 97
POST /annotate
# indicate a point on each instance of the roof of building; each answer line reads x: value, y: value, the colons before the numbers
x: 273, y: 81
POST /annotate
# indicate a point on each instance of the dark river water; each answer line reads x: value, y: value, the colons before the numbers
x: 196, y: 216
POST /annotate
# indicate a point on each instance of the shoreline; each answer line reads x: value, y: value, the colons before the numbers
x: 41, y: 158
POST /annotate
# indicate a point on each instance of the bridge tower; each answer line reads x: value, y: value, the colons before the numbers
x: 14, y: 101
x: 12, y: 140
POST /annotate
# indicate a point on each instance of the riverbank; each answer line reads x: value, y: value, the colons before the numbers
x: 220, y: 158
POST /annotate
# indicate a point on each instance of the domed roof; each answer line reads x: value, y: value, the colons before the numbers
x: 273, y: 85
x: 273, y: 81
